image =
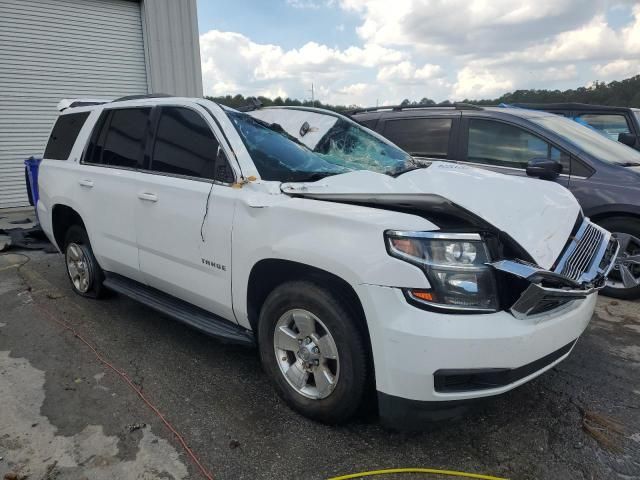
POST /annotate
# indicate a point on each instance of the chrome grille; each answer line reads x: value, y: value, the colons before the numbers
x: 579, y: 257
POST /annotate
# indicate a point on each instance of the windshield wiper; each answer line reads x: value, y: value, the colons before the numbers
x: 310, y: 176
x: 410, y: 166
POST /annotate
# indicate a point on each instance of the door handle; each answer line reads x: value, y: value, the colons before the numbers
x: 149, y: 197
x: 86, y: 183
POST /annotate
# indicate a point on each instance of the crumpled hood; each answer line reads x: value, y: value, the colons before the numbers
x: 537, y: 214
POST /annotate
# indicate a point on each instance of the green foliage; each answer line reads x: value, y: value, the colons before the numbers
x: 623, y: 93
x: 240, y: 101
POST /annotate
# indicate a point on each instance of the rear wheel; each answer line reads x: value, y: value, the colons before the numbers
x: 83, y: 270
x: 624, y: 279
x: 312, y: 348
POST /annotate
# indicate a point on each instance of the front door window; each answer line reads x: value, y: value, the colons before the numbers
x: 502, y: 145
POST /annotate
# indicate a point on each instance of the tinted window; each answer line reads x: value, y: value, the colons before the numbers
x: 369, y: 123
x: 496, y: 143
x: 589, y: 140
x: 610, y: 124
x: 125, y: 136
x: 94, y: 150
x: 64, y: 135
x: 185, y: 145
x: 420, y: 136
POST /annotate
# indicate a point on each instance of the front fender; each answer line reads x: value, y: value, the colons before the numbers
x: 345, y: 240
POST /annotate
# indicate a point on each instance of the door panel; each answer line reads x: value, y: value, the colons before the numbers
x: 107, y: 187
x: 110, y: 218
x: 184, y: 212
x: 182, y: 252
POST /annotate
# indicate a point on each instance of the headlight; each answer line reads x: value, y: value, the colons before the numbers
x: 455, y: 265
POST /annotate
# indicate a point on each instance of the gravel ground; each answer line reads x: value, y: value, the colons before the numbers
x: 65, y: 415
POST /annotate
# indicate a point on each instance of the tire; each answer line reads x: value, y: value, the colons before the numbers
x: 326, y: 402
x: 78, y: 253
x: 615, y: 287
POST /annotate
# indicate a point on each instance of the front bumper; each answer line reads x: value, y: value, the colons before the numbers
x: 410, y: 345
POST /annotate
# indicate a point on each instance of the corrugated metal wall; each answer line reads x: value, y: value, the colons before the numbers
x: 53, y: 49
x: 173, y: 47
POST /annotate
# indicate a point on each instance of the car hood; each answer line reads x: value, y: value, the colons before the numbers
x: 537, y: 214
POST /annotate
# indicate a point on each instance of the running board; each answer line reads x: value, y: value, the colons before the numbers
x: 180, y: 310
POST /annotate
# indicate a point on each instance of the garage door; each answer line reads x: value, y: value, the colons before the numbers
x: 54, y: 49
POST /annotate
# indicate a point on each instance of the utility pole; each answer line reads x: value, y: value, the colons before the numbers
x: 313, y: 100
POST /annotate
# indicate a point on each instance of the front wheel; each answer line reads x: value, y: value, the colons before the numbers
x: 624, y: 280
x: 311, y: 347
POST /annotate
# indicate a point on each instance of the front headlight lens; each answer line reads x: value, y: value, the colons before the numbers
x: 455, y: 265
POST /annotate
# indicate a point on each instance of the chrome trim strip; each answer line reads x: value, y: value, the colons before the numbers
x: 535, y: 294
x: 434, y: 235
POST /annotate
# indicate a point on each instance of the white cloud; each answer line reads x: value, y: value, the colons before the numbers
x: 406, y: 72
x: 619, y: 68
x: 476, y: 83
x: 439, y: 49
x: 233, y: 61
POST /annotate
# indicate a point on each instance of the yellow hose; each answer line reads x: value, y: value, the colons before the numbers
x: 416, y: 470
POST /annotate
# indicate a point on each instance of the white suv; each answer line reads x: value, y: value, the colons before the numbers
x: 351, y: 265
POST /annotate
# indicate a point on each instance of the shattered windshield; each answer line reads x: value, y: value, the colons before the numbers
x: 284, y: 155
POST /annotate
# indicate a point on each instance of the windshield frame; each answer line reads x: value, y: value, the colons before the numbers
x: 588, y: 140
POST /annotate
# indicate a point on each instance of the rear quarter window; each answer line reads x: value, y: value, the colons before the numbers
x: 64, y: 135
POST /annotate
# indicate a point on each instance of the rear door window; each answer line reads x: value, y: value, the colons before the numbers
x: 427, y: 137
x: 610, y: 125
x: 185, y: 145
x: 124, y: 137
x: 503, y: 145
x: 64, y: 135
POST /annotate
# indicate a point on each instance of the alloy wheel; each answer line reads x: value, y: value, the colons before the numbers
x: 626, y: 270
x: 306, y: 354
x: 79, y: 267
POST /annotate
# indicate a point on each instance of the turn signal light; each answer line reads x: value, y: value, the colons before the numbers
x: 422, y: 295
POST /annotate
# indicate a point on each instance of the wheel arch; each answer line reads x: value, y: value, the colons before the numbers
x: 63, y: 217
x: 267, y: 274
x: 611, y: 211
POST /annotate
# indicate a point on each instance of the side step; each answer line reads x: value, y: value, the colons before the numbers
x: 180, y: 310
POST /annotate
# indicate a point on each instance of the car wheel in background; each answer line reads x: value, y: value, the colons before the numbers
x: 313, y: 350
x: 624, y: 279
x: 83, y: 270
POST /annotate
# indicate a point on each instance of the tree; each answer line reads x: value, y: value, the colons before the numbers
x: 623, y: 93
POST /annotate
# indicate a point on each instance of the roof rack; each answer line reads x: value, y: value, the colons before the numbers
x: 141, y: 97
x: 398, y: 108
x: 567, y: 106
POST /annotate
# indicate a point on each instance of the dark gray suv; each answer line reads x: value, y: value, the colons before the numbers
x: 604, y: 175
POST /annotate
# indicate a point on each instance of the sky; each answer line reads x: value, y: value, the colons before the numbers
x: 379, y: 52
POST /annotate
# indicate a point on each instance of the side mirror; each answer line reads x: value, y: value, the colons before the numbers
x: 544, y: 168
x: 627, y: 138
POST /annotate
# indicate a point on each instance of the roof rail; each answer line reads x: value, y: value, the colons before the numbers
x: 467, y: 106
x: 568, y: 105
x: 398, y: 108
x: 141, y: 97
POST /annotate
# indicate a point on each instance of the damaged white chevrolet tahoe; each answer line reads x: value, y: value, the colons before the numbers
x: 349, y: 264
